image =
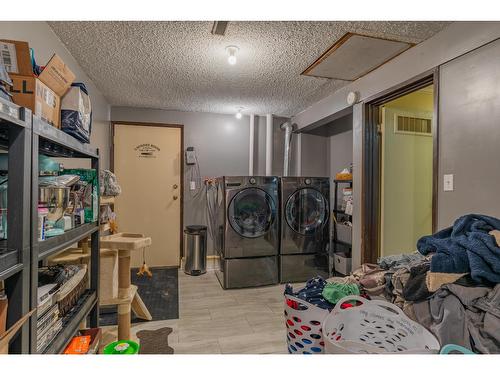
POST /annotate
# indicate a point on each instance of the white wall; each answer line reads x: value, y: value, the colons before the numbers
x: 455, y: 40
x: 45, y: 43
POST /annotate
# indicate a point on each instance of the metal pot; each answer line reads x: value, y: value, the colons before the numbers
x: 56, y: 199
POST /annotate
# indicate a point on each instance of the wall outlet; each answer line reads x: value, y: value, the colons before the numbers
x: 192, y: 185
x: 448, y: 182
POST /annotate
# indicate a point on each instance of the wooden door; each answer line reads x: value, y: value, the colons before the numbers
x: 148, y: 165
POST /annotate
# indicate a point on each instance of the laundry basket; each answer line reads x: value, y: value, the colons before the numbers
x: 303, y: 325
x: 374, y: 327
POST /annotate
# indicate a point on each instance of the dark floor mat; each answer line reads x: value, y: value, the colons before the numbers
x: 159, y: 293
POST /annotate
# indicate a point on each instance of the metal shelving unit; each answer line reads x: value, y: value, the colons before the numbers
x: 15, y: 139
x: 71, y: 322
x: 338, y: 213
x: 51, y: 141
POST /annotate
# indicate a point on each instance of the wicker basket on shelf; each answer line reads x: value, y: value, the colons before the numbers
x: 71, y: 286
x: 71, y: 291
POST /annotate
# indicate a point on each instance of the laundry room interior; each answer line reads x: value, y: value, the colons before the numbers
x: 249, y: 187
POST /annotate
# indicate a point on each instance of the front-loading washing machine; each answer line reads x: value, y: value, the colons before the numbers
x: 305, y: 239
x: 247, y: 222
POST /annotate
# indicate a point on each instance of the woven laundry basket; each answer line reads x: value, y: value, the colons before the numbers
x: 374, y: 327
x: 303, y: 324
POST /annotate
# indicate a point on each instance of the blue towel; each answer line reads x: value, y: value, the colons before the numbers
x: 466, y: 247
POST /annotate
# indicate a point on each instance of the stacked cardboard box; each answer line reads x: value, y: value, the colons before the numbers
x: 41, y: 94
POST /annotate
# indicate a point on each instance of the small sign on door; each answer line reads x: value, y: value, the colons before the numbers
x: 146, y: 150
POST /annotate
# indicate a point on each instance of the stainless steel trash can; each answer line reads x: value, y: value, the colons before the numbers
x: 195, y: 250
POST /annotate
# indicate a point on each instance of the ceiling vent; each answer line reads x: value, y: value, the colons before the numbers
x: 355, y: 55
x: 219, y: 27
x: 412, y: 125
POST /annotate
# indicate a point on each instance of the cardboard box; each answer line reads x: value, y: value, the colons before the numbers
x: 30, y: 92
x: 57, y: 76
x: 15, y: 55
x: 11, y: 332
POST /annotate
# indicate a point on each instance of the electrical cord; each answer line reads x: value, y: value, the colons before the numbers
x: 194, y: 175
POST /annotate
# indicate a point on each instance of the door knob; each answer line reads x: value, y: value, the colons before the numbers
x: 175, y: 197
x: 175, y: 186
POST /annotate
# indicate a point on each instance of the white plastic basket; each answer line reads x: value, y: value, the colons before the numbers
x: 374, y: 327
x: 303, y: 325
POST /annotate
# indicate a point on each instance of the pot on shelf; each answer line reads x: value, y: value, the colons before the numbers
x: 56, y: 199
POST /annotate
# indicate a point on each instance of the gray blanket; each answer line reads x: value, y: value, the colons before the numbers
x: 466, y: 316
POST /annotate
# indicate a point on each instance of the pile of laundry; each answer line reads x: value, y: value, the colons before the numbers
x: 451, y: 285
x: 325, y: 293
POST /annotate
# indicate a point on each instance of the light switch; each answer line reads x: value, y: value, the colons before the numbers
x: 448, y: 182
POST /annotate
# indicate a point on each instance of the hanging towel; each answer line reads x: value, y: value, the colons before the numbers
x: 465, y: 247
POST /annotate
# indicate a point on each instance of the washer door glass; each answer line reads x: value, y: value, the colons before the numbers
x: 306, y: 210
x: 251, y: 212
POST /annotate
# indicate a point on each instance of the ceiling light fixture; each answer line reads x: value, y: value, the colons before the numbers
x: 231, y: 50
x: 239, y: 115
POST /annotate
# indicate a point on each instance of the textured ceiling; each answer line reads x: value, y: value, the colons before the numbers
x: 182, y: 66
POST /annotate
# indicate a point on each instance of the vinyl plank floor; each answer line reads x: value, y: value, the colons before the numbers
x: 239, y: 310
x: 273, y: 342
x: 197, y: 347
x: 213, y: 320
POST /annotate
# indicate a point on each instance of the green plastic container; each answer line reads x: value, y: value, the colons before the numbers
x: 122, y: 347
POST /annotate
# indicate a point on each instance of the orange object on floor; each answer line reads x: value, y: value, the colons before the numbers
x: 78, y: 345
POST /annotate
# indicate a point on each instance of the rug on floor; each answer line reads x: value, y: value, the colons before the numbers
x: 159, y: 293
x: 155, y: 342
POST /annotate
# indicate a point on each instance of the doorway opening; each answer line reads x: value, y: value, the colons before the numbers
x: 400, y: 171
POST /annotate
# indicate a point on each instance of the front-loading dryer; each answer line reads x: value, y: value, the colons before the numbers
x: 248, y: 226
x: 305, y: 240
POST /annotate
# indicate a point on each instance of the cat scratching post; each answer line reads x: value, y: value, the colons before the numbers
x: 128, y: 298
